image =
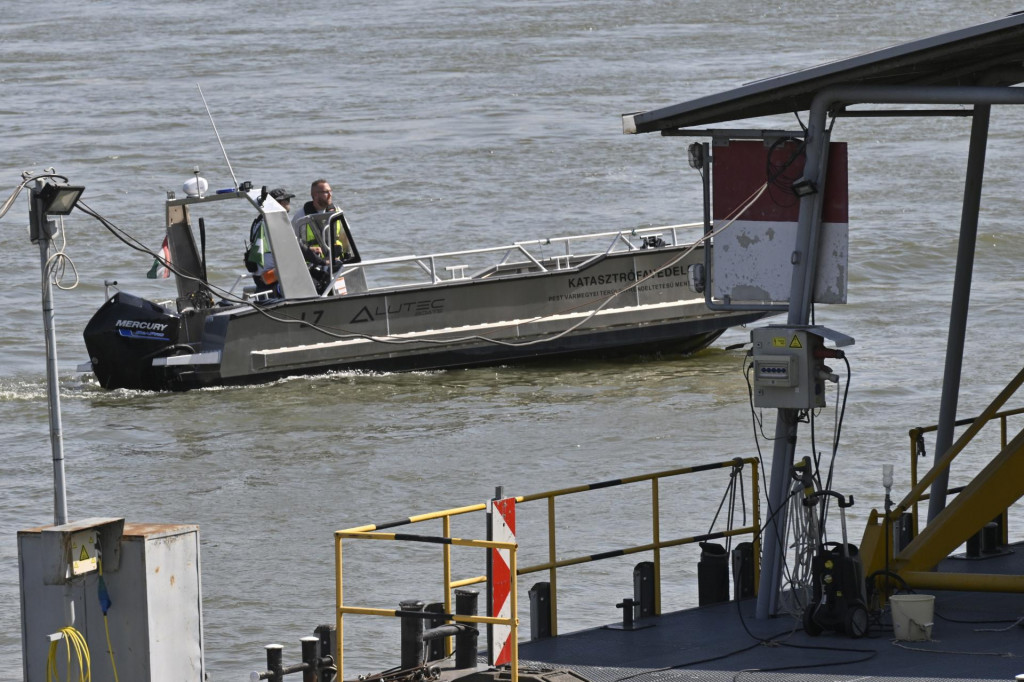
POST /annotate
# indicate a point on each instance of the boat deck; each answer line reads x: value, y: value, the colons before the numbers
x: 976, y: 636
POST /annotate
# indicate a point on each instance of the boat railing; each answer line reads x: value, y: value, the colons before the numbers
x: 469, y: 264
x: 554, y: 562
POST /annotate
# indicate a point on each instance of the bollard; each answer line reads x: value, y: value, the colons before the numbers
x: 412, y: 634
x: 310, y: 645
x: 743, y: 570
x: 643, y: 589
x: 712, y: 574
x: 974, y: 546
x: 466, y: 641
x: 540, y: 611
x: 328, y: 636
x: 627, y: 613
x: 275, y: 656
x: 628, y: 607
x: 990, y: 538
x: 904, y: 531
x: 435, y: 649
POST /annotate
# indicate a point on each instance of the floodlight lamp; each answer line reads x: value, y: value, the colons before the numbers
x: 803, y: 187
x: 695, y: 152
x: 59, y: 199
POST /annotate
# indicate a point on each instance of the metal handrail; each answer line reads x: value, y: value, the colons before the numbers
x: 656, y: 544
x: 428, y: 263
x: 447, y: 541
x: 632, y: 232
x: 373, y: 532
x: 917, y: 449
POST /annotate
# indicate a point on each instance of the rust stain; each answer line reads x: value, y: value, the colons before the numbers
x: 148, y: 529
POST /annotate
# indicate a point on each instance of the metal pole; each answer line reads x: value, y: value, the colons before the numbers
x: 41, y: 229
x: 960, y: 302
x: 801, y: 294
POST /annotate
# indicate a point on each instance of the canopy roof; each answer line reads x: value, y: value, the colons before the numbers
x: 958, y: 58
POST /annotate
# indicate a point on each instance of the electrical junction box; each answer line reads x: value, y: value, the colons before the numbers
x: 151, y: 574
x: 787, y: 370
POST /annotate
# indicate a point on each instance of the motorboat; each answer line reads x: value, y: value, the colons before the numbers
x: 631, y: 291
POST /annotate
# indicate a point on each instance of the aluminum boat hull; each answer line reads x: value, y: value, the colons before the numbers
x: 514, y: 316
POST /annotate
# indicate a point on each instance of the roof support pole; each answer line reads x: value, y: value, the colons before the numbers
x: 960, y: 302
x: 805, y: 261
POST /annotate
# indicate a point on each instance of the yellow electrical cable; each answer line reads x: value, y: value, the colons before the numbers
x: 74, y: 639
x: 110, y: 648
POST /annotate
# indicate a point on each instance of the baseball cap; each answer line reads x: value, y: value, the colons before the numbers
x: 281, y: 194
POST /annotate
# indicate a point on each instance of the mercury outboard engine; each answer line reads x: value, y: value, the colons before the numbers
x: 124, y: 336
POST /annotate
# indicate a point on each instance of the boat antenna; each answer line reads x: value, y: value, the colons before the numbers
x: 223, y: 151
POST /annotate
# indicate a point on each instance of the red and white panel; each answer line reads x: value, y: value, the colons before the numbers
x: 753, y: 257
x: 503, y: 529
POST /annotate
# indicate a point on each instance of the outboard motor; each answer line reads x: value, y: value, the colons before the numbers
x: 124, y: 336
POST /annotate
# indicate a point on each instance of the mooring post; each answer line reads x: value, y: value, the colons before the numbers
x: 275, y: 656
x: 466, y: 640
x: 435, y: 648
x: 643, y: 589
x: 311, y: 658
x: 626, y: 605
x: 412, y: 634
x: 540, y: 610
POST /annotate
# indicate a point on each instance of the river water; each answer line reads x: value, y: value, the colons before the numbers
x: 443, y: 126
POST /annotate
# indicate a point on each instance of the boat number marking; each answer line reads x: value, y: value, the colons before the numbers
x: 317, y: 314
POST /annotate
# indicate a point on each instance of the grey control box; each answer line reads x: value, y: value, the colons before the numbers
x: 788, y: 367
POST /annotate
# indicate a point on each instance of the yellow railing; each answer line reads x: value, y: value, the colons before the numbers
x: 917, y: 449
x: 368, y: 533
x: 656, y: 544
x: 373, y: 532
x: 877, y: 551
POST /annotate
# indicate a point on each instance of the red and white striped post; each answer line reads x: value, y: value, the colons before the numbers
x: 502, y: 528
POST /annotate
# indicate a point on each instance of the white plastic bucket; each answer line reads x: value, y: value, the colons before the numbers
x: 912, y: 616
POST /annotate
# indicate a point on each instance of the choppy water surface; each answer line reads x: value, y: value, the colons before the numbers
x: 445, y: 126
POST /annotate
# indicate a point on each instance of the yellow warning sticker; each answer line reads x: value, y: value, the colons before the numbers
x: 83, y: 546
x: 795, y: 343
x: 779, y: 341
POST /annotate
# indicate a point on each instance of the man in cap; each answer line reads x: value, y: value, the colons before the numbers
x: 283, y: 197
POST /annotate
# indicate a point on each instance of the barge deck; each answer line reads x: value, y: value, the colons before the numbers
x: 976, y: 636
